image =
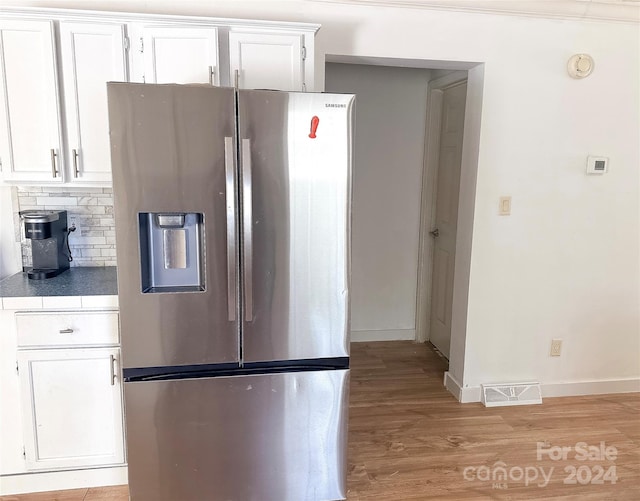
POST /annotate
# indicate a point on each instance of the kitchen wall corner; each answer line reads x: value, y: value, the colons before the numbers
x: 10, y: 250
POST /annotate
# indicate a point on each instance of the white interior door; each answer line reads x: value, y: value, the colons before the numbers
x: 450, y: 157
x: 92, y: 55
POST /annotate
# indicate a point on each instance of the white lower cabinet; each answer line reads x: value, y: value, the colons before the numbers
x: 60, y: 380
x: 71, y: 407
x: 61, y: 405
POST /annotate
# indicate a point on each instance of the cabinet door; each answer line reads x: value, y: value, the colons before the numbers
x: 92, y: 55
x: 180, y: 55
x: 267, y: 60
x: 72, y: 407
x: 29, y: 118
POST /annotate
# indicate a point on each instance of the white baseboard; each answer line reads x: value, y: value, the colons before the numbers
x: 62, y: 480
x: 452, y: 385
x: 389, y: 335
x: 577, y: 388
x: 569, y: 389
x: 464, y: 395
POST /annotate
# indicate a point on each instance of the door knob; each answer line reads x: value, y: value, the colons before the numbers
x: 435, y: 233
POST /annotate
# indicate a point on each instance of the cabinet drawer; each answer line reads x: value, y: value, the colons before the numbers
x: 67, y: 328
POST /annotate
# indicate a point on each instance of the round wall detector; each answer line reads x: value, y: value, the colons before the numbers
x: 580, y: 65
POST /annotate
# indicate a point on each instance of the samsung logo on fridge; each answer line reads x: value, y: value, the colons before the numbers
x: 335, y: 105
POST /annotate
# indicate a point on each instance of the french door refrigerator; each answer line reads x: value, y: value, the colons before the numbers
x: 232, y: 212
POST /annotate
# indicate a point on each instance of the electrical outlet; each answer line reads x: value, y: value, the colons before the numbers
x: 556, y: 346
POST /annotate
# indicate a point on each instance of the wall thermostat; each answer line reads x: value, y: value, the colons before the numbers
x: 597, y: 165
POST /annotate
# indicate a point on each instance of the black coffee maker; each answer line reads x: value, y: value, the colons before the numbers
x: 48, y: 232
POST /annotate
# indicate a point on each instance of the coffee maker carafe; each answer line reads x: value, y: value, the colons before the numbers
x: 48, y: 232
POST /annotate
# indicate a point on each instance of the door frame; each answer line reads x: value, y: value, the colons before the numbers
x: 435, y: 92
x: 454, y: 377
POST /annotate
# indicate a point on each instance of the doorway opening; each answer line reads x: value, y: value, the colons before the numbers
x: 408, y: 283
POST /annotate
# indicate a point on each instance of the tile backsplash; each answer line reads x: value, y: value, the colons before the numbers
x: 90, y: 209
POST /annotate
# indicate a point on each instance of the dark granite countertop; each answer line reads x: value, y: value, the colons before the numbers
x: 94, y: 281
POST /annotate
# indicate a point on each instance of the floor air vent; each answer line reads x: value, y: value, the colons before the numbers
x: 497, y: 395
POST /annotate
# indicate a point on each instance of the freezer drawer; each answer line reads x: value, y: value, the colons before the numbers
x: 269, y: 437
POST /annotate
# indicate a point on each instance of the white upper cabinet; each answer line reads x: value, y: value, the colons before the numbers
x: 54, y: 65
x: 92, y: 55
x: 30, y: 137
x: 267, y: 60
x: 180, y: 55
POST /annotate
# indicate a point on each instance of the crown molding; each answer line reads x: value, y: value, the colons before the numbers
x: 116, y: 16
x: 626, y: 11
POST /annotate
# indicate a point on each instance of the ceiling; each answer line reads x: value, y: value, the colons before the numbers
x: 608, y: 10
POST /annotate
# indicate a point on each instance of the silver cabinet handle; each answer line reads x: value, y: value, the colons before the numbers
x: 54, y: 169
x: 76, y: 172
x: 231, y: 227
x: 211, y: 75
x: 66, y: 331
x: 247, y: 251
x: 236, y: 79
x: 112, y: 363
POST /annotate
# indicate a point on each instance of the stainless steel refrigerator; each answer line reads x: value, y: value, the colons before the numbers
x: 232, y: 213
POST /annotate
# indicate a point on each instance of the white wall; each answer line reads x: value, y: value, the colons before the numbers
x: 389, y: 143
x: 9, y: 249
x: 565, y: 264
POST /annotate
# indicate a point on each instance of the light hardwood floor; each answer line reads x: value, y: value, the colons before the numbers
x: 409, y: 439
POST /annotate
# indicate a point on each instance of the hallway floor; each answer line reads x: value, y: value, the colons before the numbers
x: 409, y: 439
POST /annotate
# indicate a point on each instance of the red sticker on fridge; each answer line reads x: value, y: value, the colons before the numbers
x: 314, y: 127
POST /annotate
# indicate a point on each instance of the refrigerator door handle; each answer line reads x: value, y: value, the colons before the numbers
x: 229, y: 151
x: 247, y: 254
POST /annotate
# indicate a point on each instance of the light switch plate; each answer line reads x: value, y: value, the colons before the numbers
x: 504, y: 209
